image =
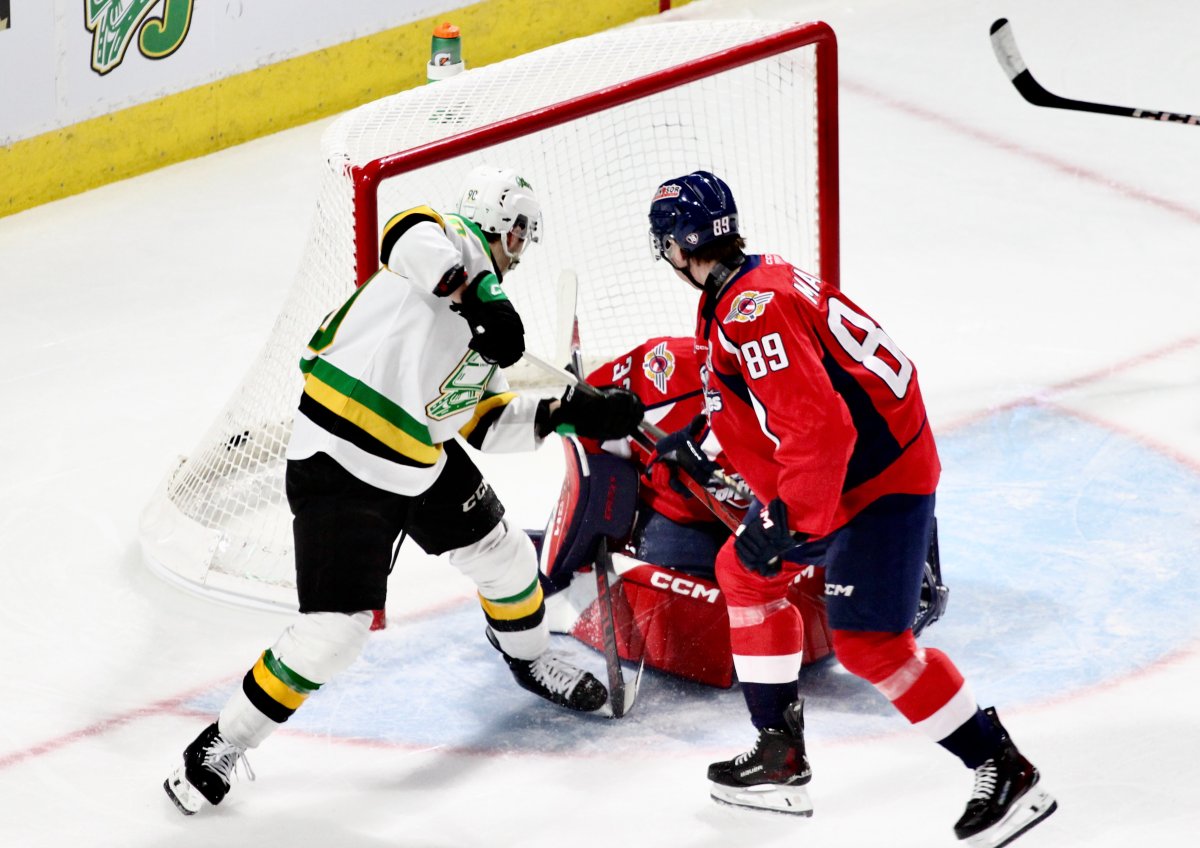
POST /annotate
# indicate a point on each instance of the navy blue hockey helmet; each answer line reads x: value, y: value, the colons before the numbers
x: 691, y: 210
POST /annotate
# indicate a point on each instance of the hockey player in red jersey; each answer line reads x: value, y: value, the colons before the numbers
x: 677, y: 621
x: 674, y: 528
x: 822, y: 414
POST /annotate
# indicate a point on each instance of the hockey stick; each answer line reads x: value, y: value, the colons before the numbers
x: 1005, y: 47
x: 652, y: 431
x: 620, y: 697
x: 566, y: 336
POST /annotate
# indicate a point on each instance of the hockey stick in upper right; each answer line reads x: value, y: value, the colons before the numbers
x: 1005, y: 47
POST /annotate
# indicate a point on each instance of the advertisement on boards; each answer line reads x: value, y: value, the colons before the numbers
x: 81, y: 59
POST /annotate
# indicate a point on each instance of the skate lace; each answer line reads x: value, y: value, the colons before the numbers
x: 555, y: 673
x: 741, y: 759
x: 223, y: 758
x: 985, y: 782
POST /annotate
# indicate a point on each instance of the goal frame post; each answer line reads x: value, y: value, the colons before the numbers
x: 368, y: 178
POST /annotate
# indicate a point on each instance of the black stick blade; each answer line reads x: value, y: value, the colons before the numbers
x: 1004, y: 44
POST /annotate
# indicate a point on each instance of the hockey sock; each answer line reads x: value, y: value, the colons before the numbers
x: 519, y: 621
x: 922, y: 683
x: 309, y: 653
x: 975, y: 741
x: 767, y: 701
x: 504, y: 567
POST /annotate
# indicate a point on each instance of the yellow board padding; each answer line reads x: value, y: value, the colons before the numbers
x: 276, y: 97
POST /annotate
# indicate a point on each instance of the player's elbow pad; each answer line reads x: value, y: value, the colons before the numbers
x: 451, y: 281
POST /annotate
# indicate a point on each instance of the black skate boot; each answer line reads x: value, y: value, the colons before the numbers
x: 208, y: 764
x: 1007, y: 800
x: 770, y: 776
x: 555, y: 679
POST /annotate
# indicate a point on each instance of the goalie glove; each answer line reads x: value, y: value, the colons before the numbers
x: 497, y: 333
x: 611, y: 414
x: 765, y: 538
x: 682, y: 450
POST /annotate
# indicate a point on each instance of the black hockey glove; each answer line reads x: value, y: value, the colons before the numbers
x: 612, y: 414
x: 682, y: 449
x: 760, y: 543
x: 496, y: 329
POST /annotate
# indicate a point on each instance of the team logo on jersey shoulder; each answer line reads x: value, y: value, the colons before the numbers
x: 658, y: 365
x: 747, y: 306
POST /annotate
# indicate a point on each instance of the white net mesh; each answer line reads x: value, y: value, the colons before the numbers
x: 220, y: 521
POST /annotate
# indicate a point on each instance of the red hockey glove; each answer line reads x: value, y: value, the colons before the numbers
x: 764, y: 539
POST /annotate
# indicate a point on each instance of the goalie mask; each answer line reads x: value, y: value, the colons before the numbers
x: 691, y: 211
x: 502, y: 203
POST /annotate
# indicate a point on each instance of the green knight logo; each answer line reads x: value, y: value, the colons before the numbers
x: 113, y: 23
x: 463, y: 388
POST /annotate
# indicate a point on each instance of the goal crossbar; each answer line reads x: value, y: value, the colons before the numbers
x: 367, y: 178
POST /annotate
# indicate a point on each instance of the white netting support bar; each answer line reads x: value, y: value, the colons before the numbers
x: 220, y: 521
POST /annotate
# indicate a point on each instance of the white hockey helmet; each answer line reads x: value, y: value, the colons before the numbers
x: 500, y: 201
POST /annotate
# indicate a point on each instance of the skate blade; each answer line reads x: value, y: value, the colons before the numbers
x: 185, y: 797
x: 791, y: 800
x: 1029, y: 810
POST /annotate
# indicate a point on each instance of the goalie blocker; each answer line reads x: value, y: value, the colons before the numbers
x: 677, y: 621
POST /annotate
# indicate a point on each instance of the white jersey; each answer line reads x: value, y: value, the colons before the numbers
x: 388, y: 377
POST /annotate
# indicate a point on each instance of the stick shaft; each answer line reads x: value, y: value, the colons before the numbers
x: 1004, y: 43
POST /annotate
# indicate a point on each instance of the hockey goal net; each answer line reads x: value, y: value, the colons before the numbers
x: 595, y: 124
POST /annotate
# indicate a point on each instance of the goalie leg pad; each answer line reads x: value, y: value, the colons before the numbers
x: 677, y: 621
x: 598, y: 499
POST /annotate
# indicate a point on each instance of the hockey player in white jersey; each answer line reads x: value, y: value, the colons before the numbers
x: 410, y: 361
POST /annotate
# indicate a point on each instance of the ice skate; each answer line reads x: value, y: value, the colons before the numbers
x: 770, y: 776
x: 1006, y: 801
x: 208, y: 765
x: 553, y: 678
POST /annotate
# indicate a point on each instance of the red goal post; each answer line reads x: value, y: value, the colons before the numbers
x: 368, y: 178
x: 595, y: 124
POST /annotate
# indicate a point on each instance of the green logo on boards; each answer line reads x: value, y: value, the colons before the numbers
x: 463, y: 388
x: 113, y: 23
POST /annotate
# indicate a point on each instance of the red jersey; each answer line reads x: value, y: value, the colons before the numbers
x: 811, y: 400
x: 665, y: 373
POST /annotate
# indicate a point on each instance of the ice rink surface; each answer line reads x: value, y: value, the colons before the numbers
x: 1038, y: 265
